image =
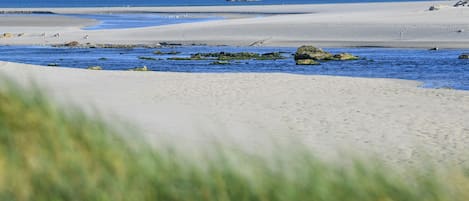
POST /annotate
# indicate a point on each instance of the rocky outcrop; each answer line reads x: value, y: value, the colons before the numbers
x: 344, y: 57
x: 311, y: 52
x: 464, y: 56
x: 310, y: 55
x: 228, y: 56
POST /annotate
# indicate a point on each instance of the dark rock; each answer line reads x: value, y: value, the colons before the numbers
x: 461, y: 3
x: 72, y: 44
x: 147, y: 58
x: 158, y: 52
x: 464, y: 56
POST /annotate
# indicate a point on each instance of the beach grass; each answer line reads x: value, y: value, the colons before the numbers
x: 49, y: 152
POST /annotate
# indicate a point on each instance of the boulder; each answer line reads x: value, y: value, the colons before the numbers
x: 345, y: 57
x: 311, y: 52
x: 95, y: 68
x: 464, y: 56
x: 306, y: 62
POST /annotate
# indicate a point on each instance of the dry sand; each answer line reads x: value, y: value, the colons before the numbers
x: 394, y: 119
x: 364, y: 24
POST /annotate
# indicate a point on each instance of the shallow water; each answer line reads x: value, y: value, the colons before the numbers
x: 435, y: 68
x: 137, y: 20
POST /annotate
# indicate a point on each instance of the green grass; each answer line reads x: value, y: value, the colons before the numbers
x: 51, y: 154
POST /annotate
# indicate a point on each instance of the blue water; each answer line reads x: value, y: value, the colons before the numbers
x: 134, y: 3
x: 434, y: 68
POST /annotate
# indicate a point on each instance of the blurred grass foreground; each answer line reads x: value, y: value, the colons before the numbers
x: 51, y: 154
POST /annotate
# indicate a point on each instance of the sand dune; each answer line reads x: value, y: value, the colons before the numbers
x: 364, y: 24
x: 394, y: 119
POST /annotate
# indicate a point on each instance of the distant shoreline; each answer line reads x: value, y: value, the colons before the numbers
x: 398, y: 25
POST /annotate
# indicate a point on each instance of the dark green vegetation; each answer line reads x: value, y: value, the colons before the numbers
x: 310, y: 55
x: 47, y: 153
x: 227, y: 56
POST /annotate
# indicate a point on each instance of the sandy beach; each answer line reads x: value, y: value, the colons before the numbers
x: 361, y: 24
x: 392, y: 119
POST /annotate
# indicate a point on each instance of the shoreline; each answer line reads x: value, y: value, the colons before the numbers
x: 408, y: 25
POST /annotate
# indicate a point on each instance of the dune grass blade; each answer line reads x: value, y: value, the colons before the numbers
x: 47, y: 153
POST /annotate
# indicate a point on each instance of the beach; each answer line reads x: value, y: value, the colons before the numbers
x: 394, y: 120
x: 403, y: 24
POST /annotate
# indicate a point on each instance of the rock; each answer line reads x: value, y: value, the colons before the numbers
x: 462, y: 3
x: 220, y: 63
x: 306, y: 62
x: 345, y: 57
x: 147, y: 58
x: 7, y: 35
x: 144, y: 68
x: 72, y: 44
x: 464, y: 56
x: 95, y: 68
x: 434, y: 8
x: 166, y: 53
x: 311, y: 52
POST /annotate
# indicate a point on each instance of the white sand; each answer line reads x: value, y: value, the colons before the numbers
x: 394, y: 119
x: 364, y: 24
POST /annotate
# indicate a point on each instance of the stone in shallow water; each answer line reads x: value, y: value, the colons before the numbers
x: 464, y: 56
x: 311, y: 52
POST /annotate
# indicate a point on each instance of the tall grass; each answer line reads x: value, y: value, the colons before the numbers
x: 48, y: 153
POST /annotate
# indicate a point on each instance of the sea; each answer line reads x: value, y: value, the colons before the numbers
x: 146, y: 3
